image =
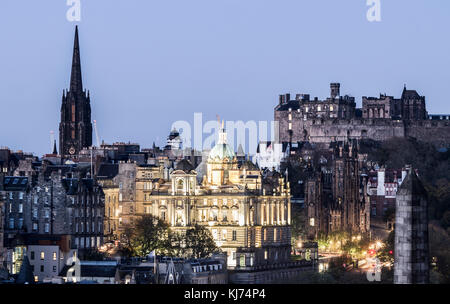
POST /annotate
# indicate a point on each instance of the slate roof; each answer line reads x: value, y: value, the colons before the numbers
x: 94, y: 269
x: 15, y: 183
x: 185, y: 166
x: 108, y: 170
x: 410, y: 94
x: 249, y: 165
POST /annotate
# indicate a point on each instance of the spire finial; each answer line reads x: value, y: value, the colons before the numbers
x: 55, y: 151
x: 76, y: 84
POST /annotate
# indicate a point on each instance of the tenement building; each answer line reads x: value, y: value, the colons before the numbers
x: 53, y: 201
x: 337, y: 118
x: 248, y: 216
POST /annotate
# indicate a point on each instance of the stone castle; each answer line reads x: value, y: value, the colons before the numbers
x: 338, y: 119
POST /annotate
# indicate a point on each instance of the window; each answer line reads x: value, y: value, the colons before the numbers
x: 266, y: 255
x: 319, y: 108
x: 54, y: 256
x: 54, y: 268
x: 224, y: 234
x: 42, y: 268
x: 47, y: 227
x: 35, y: 226
x: 213, y: 215
x: 224, y: 215
x: 11, y: 223
x: 265, y: 234
x: 235, y: 215
x: 42, y: 255
x: 311, y: 222
x: 275, y: 234
x: 32, y: 255
x: 20, y: 223
x: 215, y: 234
x: 21, y: 195
x: 73, y: 113
x: 234, y: 235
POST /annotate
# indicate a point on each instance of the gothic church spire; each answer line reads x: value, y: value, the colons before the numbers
x: 76, y: 84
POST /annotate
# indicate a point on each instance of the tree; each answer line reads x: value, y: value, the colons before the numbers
x: 298, y: 225
x: 386, y: 254
x: 199, y: 242
x: 148, y: 234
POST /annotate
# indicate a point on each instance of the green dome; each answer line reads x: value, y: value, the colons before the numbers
x: 221, y: 151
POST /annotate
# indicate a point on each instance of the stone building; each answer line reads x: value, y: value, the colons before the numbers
x: 338, y: 119
x: 2, y: 221
x: 334, y: 192
x: 411, y: 263
x: 383, y: 107
x: 59, y: 200
x: 382, y: 187
x: 248, y: 221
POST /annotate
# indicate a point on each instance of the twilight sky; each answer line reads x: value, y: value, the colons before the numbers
x: 150, y: 63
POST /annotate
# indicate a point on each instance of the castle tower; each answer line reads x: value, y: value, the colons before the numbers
x: 335, y: 89
x: 411, y: 233
x: 75, y: 128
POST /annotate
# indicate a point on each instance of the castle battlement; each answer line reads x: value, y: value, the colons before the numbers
x: 380, y: 118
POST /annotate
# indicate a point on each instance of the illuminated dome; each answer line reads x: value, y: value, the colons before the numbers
x: 221, y: 150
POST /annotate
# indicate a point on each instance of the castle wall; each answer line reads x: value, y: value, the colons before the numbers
x: 328, y: 130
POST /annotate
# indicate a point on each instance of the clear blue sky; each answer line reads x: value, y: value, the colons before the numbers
x: 150, y: 63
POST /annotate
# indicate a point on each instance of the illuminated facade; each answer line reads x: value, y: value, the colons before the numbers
x: 248, y: 218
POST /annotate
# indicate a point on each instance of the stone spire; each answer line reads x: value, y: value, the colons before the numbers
x: 55, y: 151
x: 76, y: 84
x: 411, y: 233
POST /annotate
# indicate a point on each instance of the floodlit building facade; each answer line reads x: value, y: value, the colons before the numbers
x: 248, y: 217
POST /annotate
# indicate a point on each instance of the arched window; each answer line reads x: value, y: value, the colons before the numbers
x: 180, y: 184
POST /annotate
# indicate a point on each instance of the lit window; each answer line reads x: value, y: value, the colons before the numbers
x: 42, y: 255
x: 319, y: 108
x: 214, y: 234
x: 331, y: 108
x: 224, y: 235
x: 311, y: 222
x: 54, y: 256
